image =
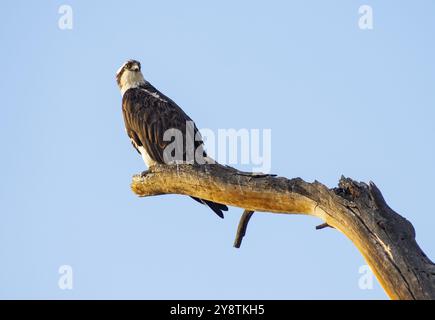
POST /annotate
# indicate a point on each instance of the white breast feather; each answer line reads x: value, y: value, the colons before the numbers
x: 145, y: 156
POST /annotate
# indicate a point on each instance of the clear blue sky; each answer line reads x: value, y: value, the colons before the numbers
x: 339, y: 100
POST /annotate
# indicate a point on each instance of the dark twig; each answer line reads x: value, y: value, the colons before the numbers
x: 322, y: 226
x: 243, y: 225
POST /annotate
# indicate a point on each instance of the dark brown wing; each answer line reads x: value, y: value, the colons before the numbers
x: 147, y: 116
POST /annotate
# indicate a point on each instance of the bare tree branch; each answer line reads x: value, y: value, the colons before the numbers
x: 385, y: 239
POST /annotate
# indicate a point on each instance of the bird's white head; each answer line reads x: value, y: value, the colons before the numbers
x: 129, y: 76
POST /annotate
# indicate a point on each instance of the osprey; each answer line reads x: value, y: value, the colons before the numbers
x: 148, y: 114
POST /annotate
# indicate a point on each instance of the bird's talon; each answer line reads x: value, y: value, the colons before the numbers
x: 144, y: 173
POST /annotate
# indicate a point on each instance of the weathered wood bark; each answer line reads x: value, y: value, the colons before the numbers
x: 384, y: 238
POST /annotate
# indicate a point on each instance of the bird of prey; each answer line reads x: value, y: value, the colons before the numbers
x: 148, y: 114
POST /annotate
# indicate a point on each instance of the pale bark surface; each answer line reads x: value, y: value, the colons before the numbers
x: 358, y: 210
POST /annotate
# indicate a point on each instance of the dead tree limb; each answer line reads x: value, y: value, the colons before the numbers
x: 243, y: 225
x: 385, y: 239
